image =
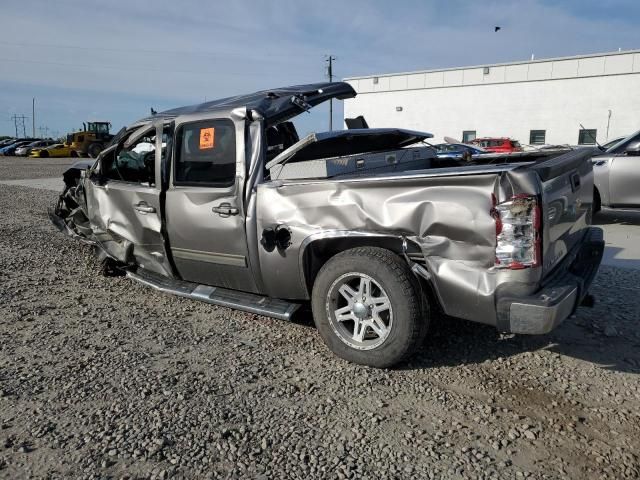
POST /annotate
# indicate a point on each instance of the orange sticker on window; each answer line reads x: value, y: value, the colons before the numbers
x: 207, y: 138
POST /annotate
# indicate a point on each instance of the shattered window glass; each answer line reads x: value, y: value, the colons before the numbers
x: 135, y: 163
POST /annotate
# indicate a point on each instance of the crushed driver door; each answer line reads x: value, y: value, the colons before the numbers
x: 123, y: 200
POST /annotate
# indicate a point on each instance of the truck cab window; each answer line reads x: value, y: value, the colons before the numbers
x: 135, y: 163
x: 206, y: 154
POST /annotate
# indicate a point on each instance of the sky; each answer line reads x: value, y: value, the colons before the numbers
x: 114, y: 60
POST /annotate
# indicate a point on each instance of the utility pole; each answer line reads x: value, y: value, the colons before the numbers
x: 18, y: 121
x: 329, y: 60
x: 33, y: 116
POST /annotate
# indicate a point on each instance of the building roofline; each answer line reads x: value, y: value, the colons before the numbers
x: 521, y: 62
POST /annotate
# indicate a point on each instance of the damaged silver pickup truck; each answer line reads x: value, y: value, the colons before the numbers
x: 222, y: 202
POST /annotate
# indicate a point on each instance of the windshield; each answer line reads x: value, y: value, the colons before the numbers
x: 619, y: 147
x: 98, y: 127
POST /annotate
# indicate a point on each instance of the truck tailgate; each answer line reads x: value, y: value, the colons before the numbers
x: 567, y: 196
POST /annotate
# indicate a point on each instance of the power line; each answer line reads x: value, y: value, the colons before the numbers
x: 115, y: 67
x: 116, y: 50
x: 44, y: 131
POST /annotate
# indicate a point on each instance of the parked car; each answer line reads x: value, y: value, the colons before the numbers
x: 7, y: 145
x: 10, y: 149
x: 457, y: 150
x: 7, y: 141
x: 55, y: 150
x: 26, y: 149
x: 498, y: 145
x: 229, y: 215
x: 617, y: 175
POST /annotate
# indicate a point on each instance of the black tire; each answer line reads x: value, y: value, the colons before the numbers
x: 597, y: 201
x: 73, y: 154
x: 409, y: 309
x: 94, y: 150
x: 44, y: 154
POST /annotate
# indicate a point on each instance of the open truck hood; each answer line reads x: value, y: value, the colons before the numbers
x: 348, y: 142
x: 275, y: 105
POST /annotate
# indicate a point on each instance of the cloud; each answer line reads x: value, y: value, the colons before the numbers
x: 84, y: 59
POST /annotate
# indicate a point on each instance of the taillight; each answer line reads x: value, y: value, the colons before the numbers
x: 517, y: 232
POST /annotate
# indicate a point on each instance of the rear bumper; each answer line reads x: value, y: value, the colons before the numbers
x: 559, y: 296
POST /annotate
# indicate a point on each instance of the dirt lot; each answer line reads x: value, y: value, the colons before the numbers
x: 104, y: 378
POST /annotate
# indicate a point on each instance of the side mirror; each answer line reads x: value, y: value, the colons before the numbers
x: 633, y: 149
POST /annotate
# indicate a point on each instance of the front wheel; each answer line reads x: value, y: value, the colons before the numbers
x: 368, y: 307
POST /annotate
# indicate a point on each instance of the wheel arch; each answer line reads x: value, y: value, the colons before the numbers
x: 601, y: 183
x: 318, y: 248
x: 597, y: 199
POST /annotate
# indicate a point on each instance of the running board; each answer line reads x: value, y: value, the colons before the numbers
x: 224, y: 297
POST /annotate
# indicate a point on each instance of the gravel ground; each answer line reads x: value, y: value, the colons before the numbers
x: 13, y: 168
x: 104, y: 378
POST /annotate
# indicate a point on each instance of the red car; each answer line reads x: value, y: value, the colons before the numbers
x: 498, y: 145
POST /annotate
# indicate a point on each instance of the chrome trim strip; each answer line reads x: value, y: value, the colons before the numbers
x: 218, y: 258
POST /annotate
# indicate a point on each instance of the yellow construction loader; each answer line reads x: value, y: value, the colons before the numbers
x: 91, y: 140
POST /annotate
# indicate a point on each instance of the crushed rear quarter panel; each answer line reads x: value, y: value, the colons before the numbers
x: 446, y: 217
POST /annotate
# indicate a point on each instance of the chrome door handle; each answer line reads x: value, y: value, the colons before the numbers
x: 225, y: 210
x: 143, y: 207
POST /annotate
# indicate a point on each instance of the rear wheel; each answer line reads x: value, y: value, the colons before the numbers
x: 94, y: 150
x: 73, y: 154
x: 44, y: 154
x: 368, y: 307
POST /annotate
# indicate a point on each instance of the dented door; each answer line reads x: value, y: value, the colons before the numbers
x: 123, y: 201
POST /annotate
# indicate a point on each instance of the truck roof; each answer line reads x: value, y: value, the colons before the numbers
x: 275, y: 105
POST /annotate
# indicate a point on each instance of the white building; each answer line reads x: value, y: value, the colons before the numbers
x: 538, y: 101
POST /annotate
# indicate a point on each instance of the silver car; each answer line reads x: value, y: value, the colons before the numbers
x: 26, y: 149
x: 617, y: 175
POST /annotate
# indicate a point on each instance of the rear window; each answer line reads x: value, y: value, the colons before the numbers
x: 206, y: 154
